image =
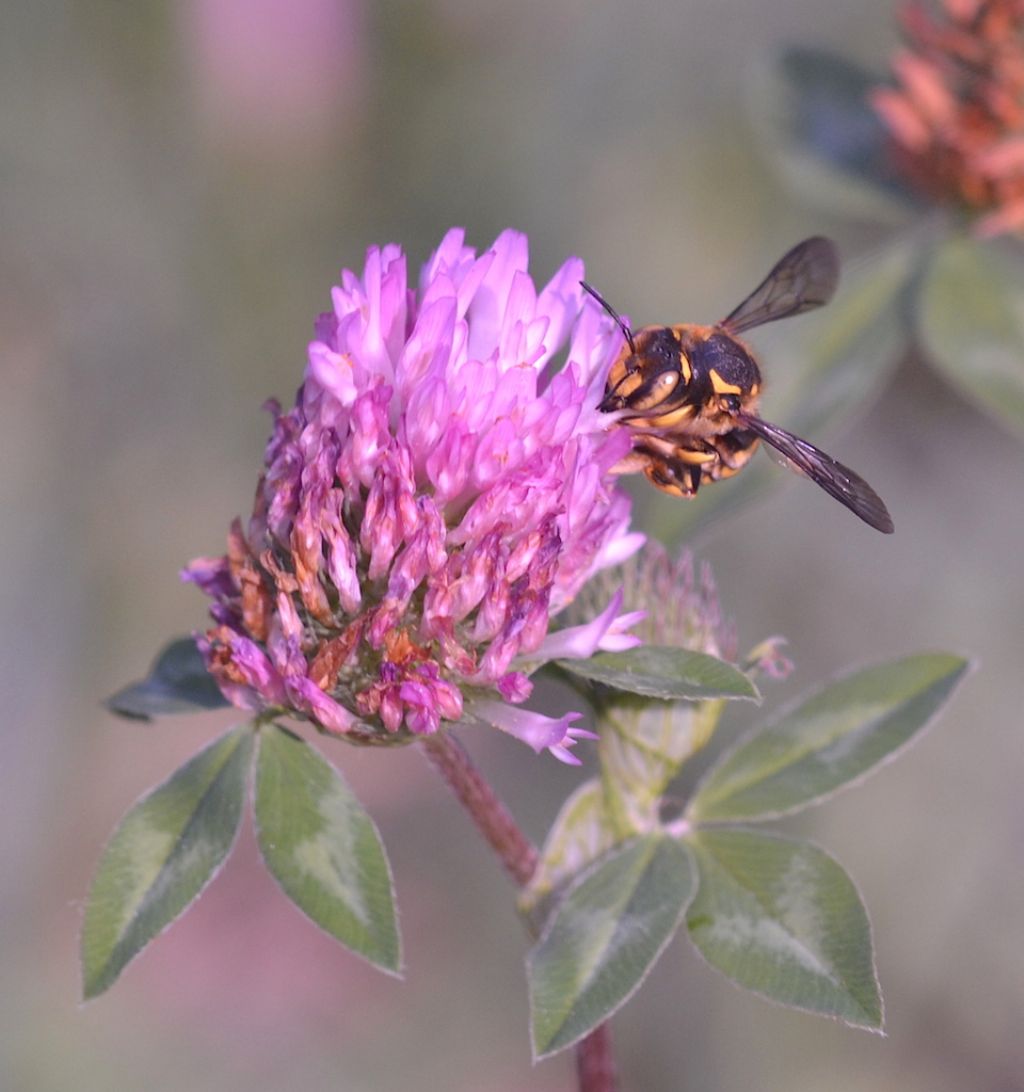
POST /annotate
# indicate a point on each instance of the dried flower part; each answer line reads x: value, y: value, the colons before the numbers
x: 956, y: 114
x: 438, y: 492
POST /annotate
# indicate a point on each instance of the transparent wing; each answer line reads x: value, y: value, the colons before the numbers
x: 804, y: 278
x: 839, y: 481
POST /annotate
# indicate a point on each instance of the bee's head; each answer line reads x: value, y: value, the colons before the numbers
x: 652, y: 373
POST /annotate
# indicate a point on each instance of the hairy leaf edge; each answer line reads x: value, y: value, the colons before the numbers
x: 398, y: 971
x: 967, y: 667
x: 549, y: 925
x: 880, y: 1029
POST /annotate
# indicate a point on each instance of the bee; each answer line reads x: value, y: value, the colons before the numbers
x: 690, y: 393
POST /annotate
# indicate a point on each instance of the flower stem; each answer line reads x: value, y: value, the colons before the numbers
x: 595, y: 1064
x: 595, y: 1061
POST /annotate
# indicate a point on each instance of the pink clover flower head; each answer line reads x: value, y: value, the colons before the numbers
x: 440, y: 490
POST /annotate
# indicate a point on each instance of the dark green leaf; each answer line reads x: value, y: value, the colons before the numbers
x: 815, y: 121
x: 163, y: 853
x: 783, y: 919
x: 178, y: 682
x: 972, y: 325
x: 828, y: 740
x: 665, y: 672
x: 323, y: 849
x: 603, y: 938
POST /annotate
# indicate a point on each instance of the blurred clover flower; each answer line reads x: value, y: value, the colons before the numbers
x: 279, y: 78
x: 956, y: 116
x: 439, y: 491
x: 937, y: 151
x: 677, y: 605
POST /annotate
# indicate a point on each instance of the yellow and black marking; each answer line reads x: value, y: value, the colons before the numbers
x: 689, y: 393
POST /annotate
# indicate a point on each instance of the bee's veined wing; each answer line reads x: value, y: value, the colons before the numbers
x: 804, y: 278
x: 839, y: 481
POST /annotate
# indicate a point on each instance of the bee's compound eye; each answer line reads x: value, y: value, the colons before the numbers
x: 731, y: 403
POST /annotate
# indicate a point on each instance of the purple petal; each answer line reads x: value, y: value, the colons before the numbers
x: 333, y: 372
x: 534, y: 729
x: 212, y: 575
x: 429, y: 346
x: 515, y: 687
x: 487, y: 311
x: 562, y: 752
x: 259, y: 673
x: 581, y: 642
x: 320, y: 706
x: 560, y: 301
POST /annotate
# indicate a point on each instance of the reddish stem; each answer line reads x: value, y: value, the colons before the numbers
x: 595, y: 1061
x: 595, y: 1064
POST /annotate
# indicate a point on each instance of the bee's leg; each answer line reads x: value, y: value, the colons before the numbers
x: 695, y: 477
x: 734, y: 450
x: 672, y: 468
x: 662, y: 475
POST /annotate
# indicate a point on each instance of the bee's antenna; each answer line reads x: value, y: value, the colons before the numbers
x: 627, y: 333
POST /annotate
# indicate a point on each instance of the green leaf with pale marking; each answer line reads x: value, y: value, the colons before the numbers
x: 604, y: 936
x: 178, y: 682
x: 828, y: 740
x: 783, y: 919
x: 161, y: 856
x: 665, y: 672
x: 323, y: 849
x: 971, y: 319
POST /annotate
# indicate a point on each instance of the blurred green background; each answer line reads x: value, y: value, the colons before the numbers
x: 180, y: 185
